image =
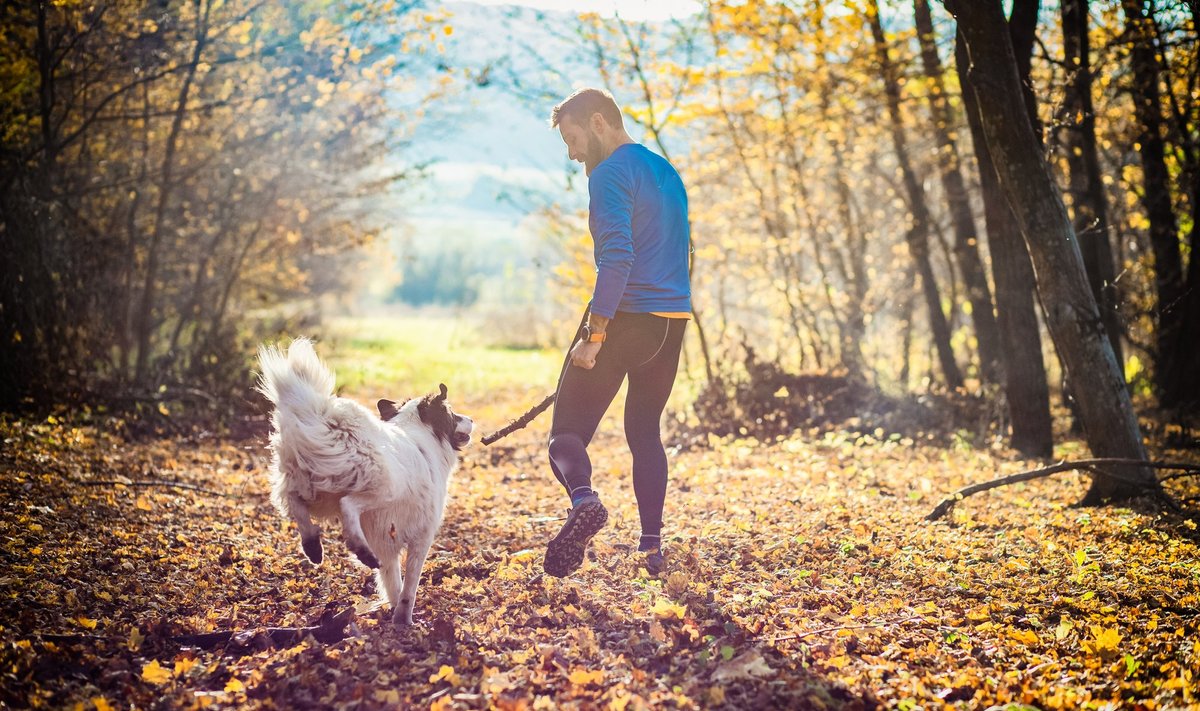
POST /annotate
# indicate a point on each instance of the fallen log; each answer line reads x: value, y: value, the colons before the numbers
x: 1090, y: 465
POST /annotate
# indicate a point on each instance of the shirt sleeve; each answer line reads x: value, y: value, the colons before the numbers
x: 611, y: 221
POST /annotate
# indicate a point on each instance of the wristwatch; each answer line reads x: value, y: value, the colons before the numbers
x: 590, y: 336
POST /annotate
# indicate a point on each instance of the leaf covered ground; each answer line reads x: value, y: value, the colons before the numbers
x: 801, y: 574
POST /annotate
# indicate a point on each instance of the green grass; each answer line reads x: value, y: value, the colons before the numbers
x: 407, y: 356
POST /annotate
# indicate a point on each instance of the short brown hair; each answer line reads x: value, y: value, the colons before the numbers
x: 580, y: 106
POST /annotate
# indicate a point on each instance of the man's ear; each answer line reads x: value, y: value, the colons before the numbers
x: 387, y: 409
x: 598, y: 125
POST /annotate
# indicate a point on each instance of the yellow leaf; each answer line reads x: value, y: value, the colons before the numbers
x: 445, y: 672
x: 1107, y: 640
x: 155, y: 674
x: 979, y: 614
x: 101, y: 703
x: 1026, y: 637
x: 664, y: 608
x: 135, y: 640
x: 235, y: 685
x: 86, y: 622
x: 1064, y: 628
x: 390, y: 696
x: 580, y: 677
x: 143, y: 503
x: 183, y: 665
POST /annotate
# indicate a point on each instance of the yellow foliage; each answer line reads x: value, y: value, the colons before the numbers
x: 154, y: 673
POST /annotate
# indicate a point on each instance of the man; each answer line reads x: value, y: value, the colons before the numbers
x: 633, y: 327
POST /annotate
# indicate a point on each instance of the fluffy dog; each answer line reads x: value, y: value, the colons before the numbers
x: 385, y: 477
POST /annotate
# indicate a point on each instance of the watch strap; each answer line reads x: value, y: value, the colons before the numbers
x: 590, y: 336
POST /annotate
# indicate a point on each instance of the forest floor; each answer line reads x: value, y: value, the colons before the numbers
x: 800, y: 574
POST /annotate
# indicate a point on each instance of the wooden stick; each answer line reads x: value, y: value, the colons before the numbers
x: 823, y: 630
x: 1085, y: 464
x: 330, y: 629
x: 170, y: 484
x: 521, y: 421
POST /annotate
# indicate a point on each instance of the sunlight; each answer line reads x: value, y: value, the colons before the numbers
x: 628, y: 9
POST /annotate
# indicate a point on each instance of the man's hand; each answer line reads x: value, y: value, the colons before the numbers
x: 584, y: 354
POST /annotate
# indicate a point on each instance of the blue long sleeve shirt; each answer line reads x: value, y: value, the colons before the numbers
x: 638, y: 219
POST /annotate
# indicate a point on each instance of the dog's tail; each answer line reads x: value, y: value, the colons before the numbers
x: 296, y: 380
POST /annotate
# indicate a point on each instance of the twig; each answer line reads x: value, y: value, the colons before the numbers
x: 1085, y: 464
x: 520, y: 422
x: 171, y: 484
x: 1188, y: 471
x: 835, y: 628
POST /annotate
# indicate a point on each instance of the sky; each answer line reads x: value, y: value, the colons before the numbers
x: 628, y: 9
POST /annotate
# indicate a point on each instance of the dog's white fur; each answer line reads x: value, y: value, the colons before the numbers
x: 334, y: 458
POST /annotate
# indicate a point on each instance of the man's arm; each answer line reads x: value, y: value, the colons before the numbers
x: 598, y: 324
x: 611, y: 220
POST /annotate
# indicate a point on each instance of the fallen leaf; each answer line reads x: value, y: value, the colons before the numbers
x: 154, y: 673
x: 747, y: 665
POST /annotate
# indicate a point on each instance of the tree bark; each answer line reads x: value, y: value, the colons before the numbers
x: 145, y: 311
x: 1025, y: 384
x: 1077, y: 119
x: 1156, y: 193
x: 966, y: 239
x: 1071, y: 313
x: 917, y: 236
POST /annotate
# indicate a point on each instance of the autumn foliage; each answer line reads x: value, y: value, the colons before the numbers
x: 800, y: 574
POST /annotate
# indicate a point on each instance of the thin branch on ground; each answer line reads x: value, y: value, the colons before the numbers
x: 331, y: 628
x: 823, y: 630
x: 169, y: 484
x: 1090, y: 465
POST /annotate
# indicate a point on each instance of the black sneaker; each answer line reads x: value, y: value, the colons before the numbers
x: 565, y: 553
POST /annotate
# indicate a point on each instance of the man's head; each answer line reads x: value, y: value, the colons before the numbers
x: 589, y: 122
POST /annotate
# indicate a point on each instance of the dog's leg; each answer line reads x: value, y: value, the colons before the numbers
x: 310, y: 533
x: 414, y: 560
x: 387, y: 579
x: 352, y: 529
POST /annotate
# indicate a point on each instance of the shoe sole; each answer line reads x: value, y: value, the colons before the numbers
x: 564, y: 554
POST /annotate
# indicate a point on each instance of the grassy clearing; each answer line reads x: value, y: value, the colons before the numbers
x: 403, y: 356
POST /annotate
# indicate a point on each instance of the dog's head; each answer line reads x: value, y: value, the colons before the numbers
x: 435, y: 412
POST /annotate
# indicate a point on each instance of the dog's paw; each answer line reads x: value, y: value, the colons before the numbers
x: 312, y: 549
x: 402, y: 618
x: 366, y: 557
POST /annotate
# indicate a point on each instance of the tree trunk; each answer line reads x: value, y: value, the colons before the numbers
x: 1071, y: 312
x: 1077, y: 119
x: 1156, y: 193
x: 145, y: 310
x: 966, y: 239
x: 1025, y: 384
x: 917, y: 235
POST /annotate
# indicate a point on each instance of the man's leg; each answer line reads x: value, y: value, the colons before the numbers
x: 650, y: 386
x: 583, y: 397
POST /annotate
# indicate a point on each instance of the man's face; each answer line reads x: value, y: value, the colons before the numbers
x: 583, y: 145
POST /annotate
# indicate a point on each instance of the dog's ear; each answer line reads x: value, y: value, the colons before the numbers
x: 387, y: 409
x: 442, y: 387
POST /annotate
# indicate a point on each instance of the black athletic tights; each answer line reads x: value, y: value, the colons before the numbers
x: 645, y: 348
